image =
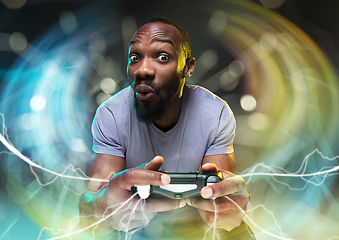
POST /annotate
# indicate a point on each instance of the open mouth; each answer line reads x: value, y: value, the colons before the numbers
x: 144, y: 95
x: 144, y: 92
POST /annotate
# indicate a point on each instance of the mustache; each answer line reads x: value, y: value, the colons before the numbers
x: 144, y: 85
x: 143, y: 82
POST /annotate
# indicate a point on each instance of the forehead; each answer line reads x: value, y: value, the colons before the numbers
x: 157, y: 31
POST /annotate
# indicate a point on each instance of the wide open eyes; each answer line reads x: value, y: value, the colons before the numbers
x: 134, y: 58
x: 162, y: 58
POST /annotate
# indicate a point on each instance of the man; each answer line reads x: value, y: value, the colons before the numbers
x: 179, y: 128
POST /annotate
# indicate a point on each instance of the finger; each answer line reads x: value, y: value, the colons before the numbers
x: 240, y: 182
x: 209, y: 167
x: 155, y: 164
x: 132, y: 177
x: 230, y: 185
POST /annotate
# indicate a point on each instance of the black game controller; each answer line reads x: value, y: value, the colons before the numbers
x: 182, y: 185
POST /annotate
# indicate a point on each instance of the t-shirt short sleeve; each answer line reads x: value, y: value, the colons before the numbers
x: 105, y: 133
x: 223, y: 140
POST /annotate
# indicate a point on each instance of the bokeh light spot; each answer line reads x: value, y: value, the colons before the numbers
x: 14, y: 4
x: 258, y: 121
x: 227, y: 81
x: 68, y: 22
x: 236, y: 68
x: 37, y: 103
x: 218, y: 22
x: 248, y: 102
x: 78, y: 145
x: 208, y: 59
x: 17, y: 42
x: 102, y: 97
x: 108, y: 85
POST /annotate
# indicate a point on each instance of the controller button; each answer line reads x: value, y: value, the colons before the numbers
x: 178, y: 195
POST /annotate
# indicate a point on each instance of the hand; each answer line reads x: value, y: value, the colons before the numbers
x: 222, y: 212
x: 123, y: 209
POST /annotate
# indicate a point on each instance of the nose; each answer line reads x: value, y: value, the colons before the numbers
x: 145, y: 70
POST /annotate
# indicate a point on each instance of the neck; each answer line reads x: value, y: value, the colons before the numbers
x: 171, y: 117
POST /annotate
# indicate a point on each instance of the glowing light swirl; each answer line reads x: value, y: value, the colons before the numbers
x: 293, y: 83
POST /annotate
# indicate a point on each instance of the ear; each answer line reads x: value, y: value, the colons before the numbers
x: 189, y: 68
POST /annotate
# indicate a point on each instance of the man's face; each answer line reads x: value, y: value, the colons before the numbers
x: 155, y: 67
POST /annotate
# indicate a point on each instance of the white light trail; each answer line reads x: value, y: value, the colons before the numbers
x: 33, y: 164
x: 274, y: 172
x: 95, y: 223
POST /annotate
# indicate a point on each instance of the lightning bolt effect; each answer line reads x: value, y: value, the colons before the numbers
x: 213, y: 227
x: 104, y: 217
x: 252, y: 172
x: 49, y: 97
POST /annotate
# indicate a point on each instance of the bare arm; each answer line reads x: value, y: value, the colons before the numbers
x: 102, y: 166
x: 223, y: 161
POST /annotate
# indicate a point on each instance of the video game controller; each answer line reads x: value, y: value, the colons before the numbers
x: 182, y: 185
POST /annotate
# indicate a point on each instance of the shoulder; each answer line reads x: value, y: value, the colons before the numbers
x: 202, y: 98
x: 202, y: 93
x: 119, y: 103
x: 113, y: 116
x: 205, y: 106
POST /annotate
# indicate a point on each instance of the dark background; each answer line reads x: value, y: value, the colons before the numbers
x: 319, y: 19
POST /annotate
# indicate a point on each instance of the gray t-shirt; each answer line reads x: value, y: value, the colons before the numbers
x: 205, y: 127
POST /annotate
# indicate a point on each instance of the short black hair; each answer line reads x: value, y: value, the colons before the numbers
x: 183, y: 33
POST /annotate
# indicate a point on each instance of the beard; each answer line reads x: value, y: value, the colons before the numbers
x: 153, y: 111
x: 149, y: 114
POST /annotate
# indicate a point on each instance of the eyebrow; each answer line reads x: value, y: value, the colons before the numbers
x: 133, y: 42
x: 164, y: 40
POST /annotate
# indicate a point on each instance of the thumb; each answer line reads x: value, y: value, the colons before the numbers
x: 209, y: 167
x: 155, y: 164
